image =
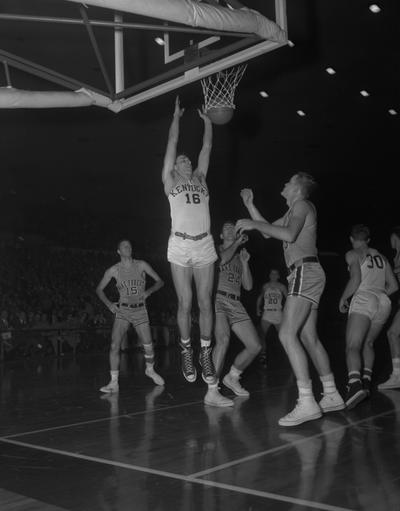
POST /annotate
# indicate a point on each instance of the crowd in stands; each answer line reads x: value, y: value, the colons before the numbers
x: 53, y: 288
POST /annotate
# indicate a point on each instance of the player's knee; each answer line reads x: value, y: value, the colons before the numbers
x: 254, y: 349
x: 205, y: 304
x: 308, y: 340
x: 284, y: 336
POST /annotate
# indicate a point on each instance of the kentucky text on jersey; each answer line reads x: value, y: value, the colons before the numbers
x: 188, y: 188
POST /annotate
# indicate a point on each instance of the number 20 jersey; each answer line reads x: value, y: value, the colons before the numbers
x: 373, y: 272
x: 189, y: 202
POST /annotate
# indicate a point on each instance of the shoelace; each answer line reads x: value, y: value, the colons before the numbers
x: 188, y: 360
x: 206, y: 362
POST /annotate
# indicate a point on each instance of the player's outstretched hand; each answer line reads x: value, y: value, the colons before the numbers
x: 242, y: 238
x: 203, y: 114
x: 244, y: 225
x: 247, y: 196
x: 244, y: 255
x: 178, y: 110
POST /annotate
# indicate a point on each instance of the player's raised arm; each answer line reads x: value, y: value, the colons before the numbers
x: 170, y: 154
x: 248, y: 200
x: 288, y: 233
x: 204, y: 156
x: 158, y: 282
x: 247, y: 277
x: 108, y: 275
x: 354, y: 281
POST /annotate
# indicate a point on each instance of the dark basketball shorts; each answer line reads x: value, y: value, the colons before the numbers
x: 136, y: 316
x: 233, y: 309
x: 307, y: 281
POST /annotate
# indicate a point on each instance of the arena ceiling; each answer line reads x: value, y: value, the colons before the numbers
x: 91, y: 162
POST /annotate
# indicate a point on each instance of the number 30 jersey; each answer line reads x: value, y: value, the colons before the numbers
x: 189, y: 202
x: 373, y: 272
x: 230, y: 276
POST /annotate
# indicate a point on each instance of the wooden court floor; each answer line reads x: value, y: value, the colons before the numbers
x: 64, y: 446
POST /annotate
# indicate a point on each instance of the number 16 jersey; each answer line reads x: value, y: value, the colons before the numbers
x: 189, y: 202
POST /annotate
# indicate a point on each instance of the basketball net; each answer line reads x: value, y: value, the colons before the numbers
x: 219, y: 89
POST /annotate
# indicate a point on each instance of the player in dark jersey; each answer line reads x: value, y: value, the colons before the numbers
x: 234, y: 273
x: 271, y: 297
x: 191, y: 250
x: 298, y: 231
x: 393, y: 332
x: 130, y: 276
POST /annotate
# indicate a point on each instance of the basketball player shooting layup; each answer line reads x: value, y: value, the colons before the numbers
x: 130, y: 276
x: 191, y: 250
x: 298, y: 231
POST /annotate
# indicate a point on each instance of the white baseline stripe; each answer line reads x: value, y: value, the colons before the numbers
x: 286, y: 446
x: 171, y: 475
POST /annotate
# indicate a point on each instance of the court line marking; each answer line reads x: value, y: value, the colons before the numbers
x: 126, y: 415
x: 286, y: 446
x: 103, y: 419
x: 172, y: 475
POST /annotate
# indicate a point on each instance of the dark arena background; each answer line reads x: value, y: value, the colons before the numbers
x: 76, y: 181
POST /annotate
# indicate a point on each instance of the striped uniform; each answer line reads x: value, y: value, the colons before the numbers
x: 306, y: 280
x: 131, y: 284
x: 228, y: 291
x: 370, y: 299
x: 273, y: 297
x: 190, y: 215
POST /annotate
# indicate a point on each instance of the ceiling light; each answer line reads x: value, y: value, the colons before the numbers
x: 290, y: 43
x: 364, y: 93
x: 300, y: 113
x: 374, y: 8
x: 263, y: 94
x: 392, y: 111
x: 330, y: 71
x: 160, y: 41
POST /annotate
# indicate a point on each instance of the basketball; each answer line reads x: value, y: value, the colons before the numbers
x: 220, y: 115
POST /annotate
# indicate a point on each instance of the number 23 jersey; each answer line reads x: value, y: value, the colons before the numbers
x: 189, y: 203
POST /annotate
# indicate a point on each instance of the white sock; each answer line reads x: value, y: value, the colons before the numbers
x: 234, y: 372
x: 305, y: 390
x: 205, y: 343
x: 328, y: 383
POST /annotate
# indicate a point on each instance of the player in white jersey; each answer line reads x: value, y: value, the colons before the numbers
x: 393, y: 332
x: 269, y: 306
x: 130, y: 277
x: 371, y: 281
x: 234, y: 273
x: 191, y: 250
x: 298, y: 332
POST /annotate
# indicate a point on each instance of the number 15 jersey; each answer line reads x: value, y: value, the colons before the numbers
x: 189, y: 203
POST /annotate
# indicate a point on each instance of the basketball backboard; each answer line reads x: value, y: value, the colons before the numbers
x: 148, y: 57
